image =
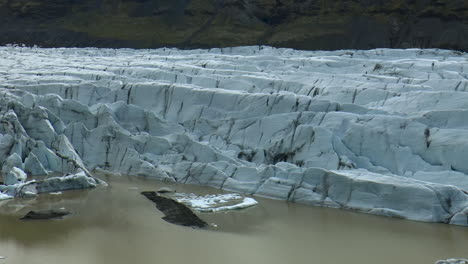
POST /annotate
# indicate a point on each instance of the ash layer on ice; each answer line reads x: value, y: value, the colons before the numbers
x: 380, y: 131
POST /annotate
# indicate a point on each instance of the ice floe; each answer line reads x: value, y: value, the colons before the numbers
x: 214, y: 202
x: 453, y: 261
x: 50, y: 185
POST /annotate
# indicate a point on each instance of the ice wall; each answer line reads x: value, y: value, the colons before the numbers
x: 379, y: 131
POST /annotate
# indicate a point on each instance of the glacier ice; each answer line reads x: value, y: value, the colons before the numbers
x: 213, y: 202
x: 453, y: 261
x: 79, y: 180
x: 14, y: 176
x: 380, y: 131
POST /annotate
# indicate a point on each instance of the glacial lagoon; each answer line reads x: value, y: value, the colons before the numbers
x: 117, y: 225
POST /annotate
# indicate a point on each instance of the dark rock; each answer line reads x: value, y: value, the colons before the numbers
x: 175, y: 212
x: 165, y: 190
x: 44, y: 215
x: 300, y: 24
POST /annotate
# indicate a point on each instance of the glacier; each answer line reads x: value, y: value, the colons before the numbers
x: 381, y: 131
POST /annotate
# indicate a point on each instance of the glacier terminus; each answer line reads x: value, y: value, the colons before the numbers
x: 381, y: 131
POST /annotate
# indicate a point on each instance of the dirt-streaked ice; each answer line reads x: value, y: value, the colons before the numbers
x: 380, y: 131
x: 79, y: 180
x: 214, y: 202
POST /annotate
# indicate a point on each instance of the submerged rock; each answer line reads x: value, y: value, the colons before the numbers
x: 175, y: 212
x: 44, y: 215
x: 165, y: 190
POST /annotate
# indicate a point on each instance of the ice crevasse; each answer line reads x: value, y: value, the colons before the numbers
x: 381, y: 131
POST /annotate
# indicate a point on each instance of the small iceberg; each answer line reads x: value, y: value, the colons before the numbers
x: 214, y: 202
x: 54, y: 185
x: 453, y: 261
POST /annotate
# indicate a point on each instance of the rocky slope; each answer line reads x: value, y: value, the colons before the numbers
x: 380, y: 131
x: 300, y: 24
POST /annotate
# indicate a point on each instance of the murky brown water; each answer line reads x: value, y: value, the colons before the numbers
x: 118, y: 225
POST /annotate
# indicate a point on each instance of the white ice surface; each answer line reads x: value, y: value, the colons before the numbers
x: 214, y: 202
x: 52, y: 185
x: 380, y: 131
x: 5, y: 196
x: 453, y: 261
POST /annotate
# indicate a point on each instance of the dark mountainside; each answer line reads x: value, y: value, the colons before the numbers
x: 300, y: 24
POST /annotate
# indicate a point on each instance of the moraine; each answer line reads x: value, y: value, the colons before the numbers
x: 380, y: 131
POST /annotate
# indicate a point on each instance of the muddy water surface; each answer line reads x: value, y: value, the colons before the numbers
x: 116, y: 225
